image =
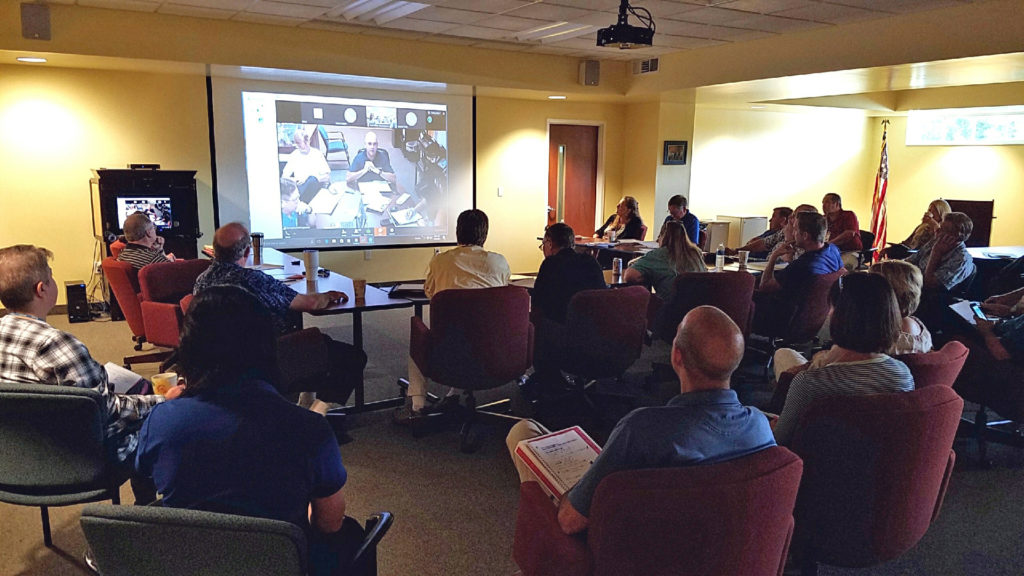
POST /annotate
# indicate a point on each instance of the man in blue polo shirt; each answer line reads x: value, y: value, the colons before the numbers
x: 678, y: 212
x: 704, y: 424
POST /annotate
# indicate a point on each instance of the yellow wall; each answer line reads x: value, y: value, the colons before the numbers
x: 920, y: 174
x: 745, y: 162
x: 56, y: 125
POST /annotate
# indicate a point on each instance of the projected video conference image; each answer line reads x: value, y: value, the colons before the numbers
x: 340, y: 172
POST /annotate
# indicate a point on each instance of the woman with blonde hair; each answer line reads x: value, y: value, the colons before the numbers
x: 924, y: 232
x: 659, y: 267
x: 626, y: 222
x: 906, y: 281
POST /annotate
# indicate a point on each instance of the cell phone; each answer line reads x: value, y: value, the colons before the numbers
x: 976, y: 308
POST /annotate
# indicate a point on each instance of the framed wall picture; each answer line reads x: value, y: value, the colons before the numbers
x: 674, y: 152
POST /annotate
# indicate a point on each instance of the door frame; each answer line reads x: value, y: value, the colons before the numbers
x: 599, y: 181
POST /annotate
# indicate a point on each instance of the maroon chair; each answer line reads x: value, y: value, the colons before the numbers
x: 876, y: 469
x: 478, y: 339
x: 733, y: 517
x: 995, y: 386
x: 162, y: 286
x: 117, y: 245
x: 730, y: 292
x: 124, y: 283
x: 605, y: 331
x: 938, y: 367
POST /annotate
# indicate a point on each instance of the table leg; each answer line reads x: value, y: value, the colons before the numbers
x: 357, y: 341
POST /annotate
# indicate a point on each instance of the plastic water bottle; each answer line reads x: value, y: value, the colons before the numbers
x: 720, y: 258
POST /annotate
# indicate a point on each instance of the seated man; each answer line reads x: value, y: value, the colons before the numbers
x: 994, y: 369
x: 944, y: 263
x: 294, y: 212
x: 306, y: 167
x: 843, y: 230
x: 704, y: 424
x: 32, y: 351
x: 143, y: 245
x: 231, y: 248
x: 678, y: 212
x: 467, y: 265
x: 758, y: 245
x: 254, y: 453
x: 767, y: 243
x: 370, y: 164
x: 562, y: 274
x: 779, y: 289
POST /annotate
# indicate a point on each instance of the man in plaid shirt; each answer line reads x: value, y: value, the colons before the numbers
x: 32, y: 351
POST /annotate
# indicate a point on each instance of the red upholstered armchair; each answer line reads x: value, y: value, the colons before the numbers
x: 938, y: 367
x: 163, y: 285
x: 124, y: 283
x: 876, y: 469
x: 733, y: 517
x: 478, y: 339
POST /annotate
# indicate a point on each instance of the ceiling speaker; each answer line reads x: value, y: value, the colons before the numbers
x: 590, y: 72
x: 35, y: 21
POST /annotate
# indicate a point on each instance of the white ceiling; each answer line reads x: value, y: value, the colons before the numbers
x: 564, y: 27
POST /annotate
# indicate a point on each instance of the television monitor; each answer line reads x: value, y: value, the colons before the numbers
x: 158, y: 208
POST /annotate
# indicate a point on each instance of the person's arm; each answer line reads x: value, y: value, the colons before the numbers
x: 600, y: 231
x: 943, y: 246
x: 359, y: 166
x: 1009, y: 299
x: 569, y: 520
x: 768, y: 280
x: 992, y: 341
x: 327, y: 514
x: 311, y: 302
x: 755, y: 245
x: 633, y: 276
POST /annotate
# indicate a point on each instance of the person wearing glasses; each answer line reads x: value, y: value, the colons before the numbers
x: 865, y: 326
x: 679, y: 212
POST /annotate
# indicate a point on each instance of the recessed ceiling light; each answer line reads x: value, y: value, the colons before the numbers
x: 31, y: 60
x: 556, y: 97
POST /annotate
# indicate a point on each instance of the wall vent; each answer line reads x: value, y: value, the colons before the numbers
x: 645, y: 66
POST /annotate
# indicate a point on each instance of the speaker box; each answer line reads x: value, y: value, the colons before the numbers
x: 35, y: 21
x: 590, y: 72
x: 78, y: 302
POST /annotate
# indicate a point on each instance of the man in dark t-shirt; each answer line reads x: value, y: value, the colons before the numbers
x: 371, y: 163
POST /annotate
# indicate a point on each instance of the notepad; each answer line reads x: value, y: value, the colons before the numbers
x: 406, y: 217
x: 559, y: 459
x: 324, y: 202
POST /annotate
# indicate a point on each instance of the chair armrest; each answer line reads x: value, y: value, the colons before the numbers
x: 419, y: 344
x: 540, y: 547
x: 377, y: 526
x: 162, y: 322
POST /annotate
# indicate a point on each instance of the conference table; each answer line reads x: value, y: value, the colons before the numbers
x: 283, y: 266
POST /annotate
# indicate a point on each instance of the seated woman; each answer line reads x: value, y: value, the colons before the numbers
x: 232, y: 444
x: 626, y: 222
x: 924, y: 232
x: 659, y: 267
x: 905, y: 280
x: 865, y: 324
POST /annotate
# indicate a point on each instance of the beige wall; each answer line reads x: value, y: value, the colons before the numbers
x: 58, y: 124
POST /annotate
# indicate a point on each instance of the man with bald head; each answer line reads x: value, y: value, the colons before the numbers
x: 371, y: 163
x: 231, y: 249
x: 704, y: 424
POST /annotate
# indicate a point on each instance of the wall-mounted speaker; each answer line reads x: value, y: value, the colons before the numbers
x: 35, y: 21
x: 590, y: 72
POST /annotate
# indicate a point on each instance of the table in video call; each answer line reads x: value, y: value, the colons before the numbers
x: 364, y: 205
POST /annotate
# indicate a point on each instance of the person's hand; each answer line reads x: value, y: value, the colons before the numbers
x: 171, y: 257
x: 782, y: 249
x: 985, y: 326
x: 174, y: 391
x: 333, y: 297
x: 944, y: 244
x: 995, y: 309
x: 158, y: 243
x: 371, y: 168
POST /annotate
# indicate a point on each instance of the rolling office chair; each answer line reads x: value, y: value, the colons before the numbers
x: 876, y: 468
x: 730, y: 292
x: 733, y: 517
x: 46, y: 465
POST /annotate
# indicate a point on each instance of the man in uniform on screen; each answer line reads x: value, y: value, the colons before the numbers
x: 306, y: 167
x: 371, y: 163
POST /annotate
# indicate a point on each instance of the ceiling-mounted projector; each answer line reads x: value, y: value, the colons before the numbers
x: 625, y: 36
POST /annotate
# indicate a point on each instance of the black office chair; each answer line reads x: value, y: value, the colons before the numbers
x: 867, y: 252
x: 52, y: 449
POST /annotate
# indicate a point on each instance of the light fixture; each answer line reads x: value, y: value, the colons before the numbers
x: 31, y: 59
x: 625, y: 36
x: 556, y: 97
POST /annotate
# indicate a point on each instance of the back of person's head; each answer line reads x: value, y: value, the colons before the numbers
x: 631, y: 205
x: 230, y: 242
x: 683, y: 254
x: 905, y: 279
x: 136, y: 226
x: 471, y: 228
x: 560, y: 235
x: 941, y: 207
x: 22, y: 268
x: 710, y: 347
x: 960, y: 223
x: 806, y: 208
x: 813, y: 224
x: 783, y: 211
x: 679, y: 201
x: 865, y: 315
x: 227, y: 335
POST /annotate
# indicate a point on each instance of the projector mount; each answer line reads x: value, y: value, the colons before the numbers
x: 625, y: 36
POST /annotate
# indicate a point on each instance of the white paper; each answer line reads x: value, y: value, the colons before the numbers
x: 120, y: 378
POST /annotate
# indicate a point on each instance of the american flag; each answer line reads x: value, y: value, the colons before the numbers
x: 878, y: 224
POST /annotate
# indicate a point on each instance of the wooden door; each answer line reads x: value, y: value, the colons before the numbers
x: 572, y: 167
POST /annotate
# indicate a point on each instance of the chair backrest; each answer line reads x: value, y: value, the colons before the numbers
x: 51, y: 440
x: 733, y: 517
x: 170, y: 281
x: 153, y: 540
x: 643, y: 231
x: 480, y: 338
x: 116, y: 246
x: 605, y: 331
x: 938, y: 367
x: 124, y: 282
x: 730, y: 292
x: 875, y: 470
x: 811, y: 307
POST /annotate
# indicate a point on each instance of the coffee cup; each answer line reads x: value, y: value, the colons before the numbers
x: 311, y: 259
x: 359, y: 288
x: 164, y: 382
x: 257, y: 247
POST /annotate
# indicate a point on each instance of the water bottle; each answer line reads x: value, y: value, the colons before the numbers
x: 720, y: 258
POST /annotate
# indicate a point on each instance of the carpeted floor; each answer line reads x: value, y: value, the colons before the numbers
x: 455, y: 512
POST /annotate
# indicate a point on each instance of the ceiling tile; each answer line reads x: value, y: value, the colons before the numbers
x: 134, y: 5
x: 479, y: 32
x: 489, y: 6
x: 764, y: 6
x: 452, y: 15
x: 294, y: 11
x: 901, y: 6
x: 709, y: 15
x: 233, y: 5
x: 196, y: 11
x: 417, y: 25
x: 323, y: 3
x: 830, y: 13
x: 549, y: 12
x: 602, y: 5
x: 511, y: 23
x: 772, y: 23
